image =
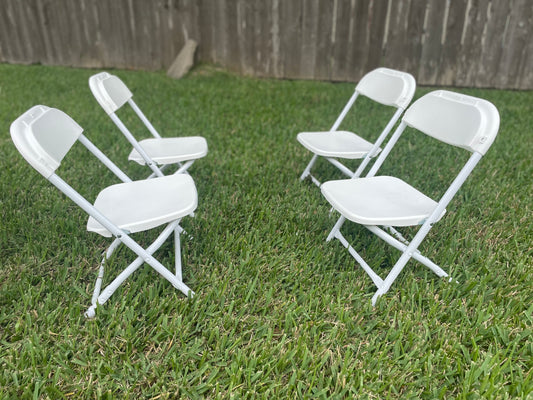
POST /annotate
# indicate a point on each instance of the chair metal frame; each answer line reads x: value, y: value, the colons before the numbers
x: 477, y: 143
x: 47, y: 160
x: 370, y: 87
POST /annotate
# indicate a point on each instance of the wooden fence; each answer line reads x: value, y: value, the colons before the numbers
x: 479, y: 43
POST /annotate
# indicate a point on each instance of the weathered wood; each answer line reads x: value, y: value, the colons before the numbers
x: 481, y: 43
x: 492, y: 41
x: 451, y: 43
x: 245, y: 37
x: 340, y: 70
x: 361, y: 38
x: 470, y: 43
x: 517, y: 37
x: 290, y: 39
x: 206, y: 47
x: 263, y: 39
x: 323, y: 40
x: 309, y: 31
x: 231, y: 36
x: 377, y: 12
x: 434, y: 23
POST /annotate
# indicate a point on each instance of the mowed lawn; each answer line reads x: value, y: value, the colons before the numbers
x: 278, y: 312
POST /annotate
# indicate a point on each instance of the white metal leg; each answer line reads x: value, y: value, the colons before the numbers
x: 343, y: 168
x: 375, y: 277
x: 336, y: 228
x: 308, y: 168
x: 315, y: 181
x: 149, y: 162
x: 143, y: 256
x: 397, y: 234
x: 408, y: 251
x: 403, y: 246
x: 184, y: 167
x: 391, y: 277
x: 100, y: 277
x: 153, y: 174
x: 177, y: 253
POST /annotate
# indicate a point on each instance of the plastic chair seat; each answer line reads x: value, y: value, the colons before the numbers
x: 171, y: 150
x: 379, y: 200
x: 141, y: 205
x: 342, y: 144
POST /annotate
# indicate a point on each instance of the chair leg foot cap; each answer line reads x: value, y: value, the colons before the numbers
x: 90, y: 313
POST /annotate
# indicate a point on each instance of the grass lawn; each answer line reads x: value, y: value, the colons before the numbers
x: 279, y: 313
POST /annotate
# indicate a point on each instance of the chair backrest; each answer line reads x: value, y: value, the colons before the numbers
x: 456, y: 119
x: 387, y: 86
x: 44, y: 136
x: 110, y: 92
x: 460, y: 120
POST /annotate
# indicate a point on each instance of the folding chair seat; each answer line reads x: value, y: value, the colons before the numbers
x: 141, y: 205
x: 44, y: 136
x: 373, y: 201
x: 384, y: 86
x: 381, y: 200
x: 157, y: 152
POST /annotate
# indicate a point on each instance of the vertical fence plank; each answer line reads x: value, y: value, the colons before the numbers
x: 451, y: 42
x: 415, y: 30
x: 513, y: 61
x: 221, y: 31
x: 430, y: 56
x: 309, y: 39
x: 10, y: 36
x: 398, y: 46
x: 232, y: 37
x: 360, y: 37
x: 351, y: 42
x: 54, y: 23
x: 244, y: 32
x: 377, y: 17
x: 206, y: 46
x: 21, y: 33
x: 32, y: 40
x: 6, y: 44
x: 341, y: 70
x: 525, y: 73
x: 263, y: 38
x: 290, y: 38
x: 492, y: 41
x: 475, y: 20
x: 323, y: 40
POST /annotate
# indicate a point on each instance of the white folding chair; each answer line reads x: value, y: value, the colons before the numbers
x: 157, y: 152
x: 374, y: 201
x: 384, y: 86
x: 44, y: 136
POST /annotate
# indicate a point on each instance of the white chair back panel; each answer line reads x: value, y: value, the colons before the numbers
x: 460, y: 120
x: 388, y: 87
x: 110, y: 92
x: 44, y: 136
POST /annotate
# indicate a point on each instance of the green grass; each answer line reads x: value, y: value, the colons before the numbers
x: 279, y: 313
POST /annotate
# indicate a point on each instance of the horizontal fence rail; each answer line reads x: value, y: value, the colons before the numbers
x: 479, y: 43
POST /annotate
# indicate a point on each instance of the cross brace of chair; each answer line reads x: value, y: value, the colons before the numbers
x: 101, y: 296
x: 408, y: 251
